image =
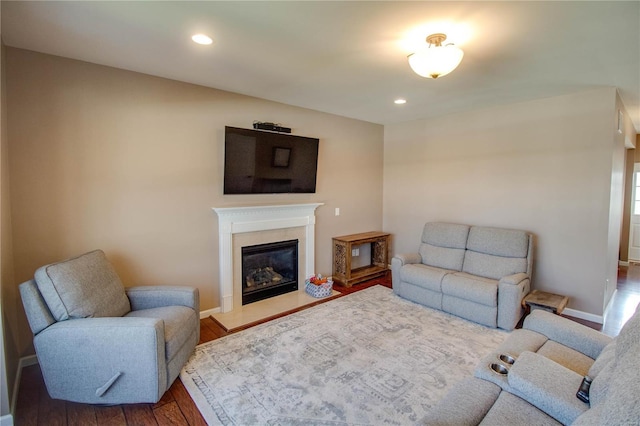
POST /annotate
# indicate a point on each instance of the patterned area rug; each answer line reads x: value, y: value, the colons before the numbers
x: 368, y: 358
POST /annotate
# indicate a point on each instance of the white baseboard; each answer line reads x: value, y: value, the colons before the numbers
x: 208, y: 312
x: 583, y: 315
x: 6, y: 420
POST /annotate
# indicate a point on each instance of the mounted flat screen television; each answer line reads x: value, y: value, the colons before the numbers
x: 263, y: 162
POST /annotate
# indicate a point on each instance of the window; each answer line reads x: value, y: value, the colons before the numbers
x: 636, y: 194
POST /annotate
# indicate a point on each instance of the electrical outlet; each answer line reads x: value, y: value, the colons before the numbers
x: 355, y: 252
x: 337, y: 211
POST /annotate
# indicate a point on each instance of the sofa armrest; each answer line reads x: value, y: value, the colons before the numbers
x: 82, y: 359
x: 407, y: 258
x: 511, y: 290
x: 547, y: 385
x: 569, y: 333
x: 147, y: 297
x: 514, y: 279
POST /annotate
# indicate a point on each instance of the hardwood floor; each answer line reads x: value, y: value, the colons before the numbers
x: 34, y: 407
x: 624, y: 301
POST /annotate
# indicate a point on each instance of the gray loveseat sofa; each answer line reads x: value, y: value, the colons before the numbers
x: 552, y: 354
x: 475, y: 272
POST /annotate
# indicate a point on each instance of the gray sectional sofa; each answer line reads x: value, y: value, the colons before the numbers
x: 475, y: 272
x: 552, y: 354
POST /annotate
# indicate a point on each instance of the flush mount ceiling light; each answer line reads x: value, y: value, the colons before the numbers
x: 201, y: 39
x: 435, y: 60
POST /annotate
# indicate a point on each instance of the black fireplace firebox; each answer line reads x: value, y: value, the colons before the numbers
x: 269, y: 270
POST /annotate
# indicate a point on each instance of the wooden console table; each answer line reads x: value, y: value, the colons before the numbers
x: 342, y: 248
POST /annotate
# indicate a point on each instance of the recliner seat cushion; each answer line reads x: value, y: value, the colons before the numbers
x: 177, y: 328
x: 423, y: 276
x: 566, y: 356
x: 82, y: 287
x: 468, y: 287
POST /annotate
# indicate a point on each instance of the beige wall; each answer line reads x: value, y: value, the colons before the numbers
x: 545, y: 166
x: 133, y: 164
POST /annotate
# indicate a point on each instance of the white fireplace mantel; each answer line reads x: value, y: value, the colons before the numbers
x: 234, y: 220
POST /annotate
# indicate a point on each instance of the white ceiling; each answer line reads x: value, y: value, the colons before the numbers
x: 349, y: 58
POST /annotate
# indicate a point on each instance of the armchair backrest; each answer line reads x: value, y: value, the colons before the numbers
x: 81, y: 287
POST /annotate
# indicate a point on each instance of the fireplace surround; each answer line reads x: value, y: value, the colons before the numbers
x: 250, y: 225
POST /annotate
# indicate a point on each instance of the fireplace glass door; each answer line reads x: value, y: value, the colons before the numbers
x: 269, y: 270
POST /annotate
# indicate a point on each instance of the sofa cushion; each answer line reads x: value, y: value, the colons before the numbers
x: 621, y: 403
x: 423, y: 276
x: 81, y: 287
x: 548, y: 385
x: 442, y: 257
x: 600, y: 384
x: 466, y: 403
x: 606, y: 356
x: 511, y: 410
x: 570, y: 333
x: 469, y: 287
x: 450, y: 235
x: 498, y: 241
x: 468, y: 309
x: 617, y: 386
x: 629, y: 337
x: 443, y: 245
x: 490, y: 266
x: 521, y: 340
x: 496, y: 252
x: 566, y: 356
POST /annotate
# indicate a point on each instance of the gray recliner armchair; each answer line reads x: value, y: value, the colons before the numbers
x: 99, y: 343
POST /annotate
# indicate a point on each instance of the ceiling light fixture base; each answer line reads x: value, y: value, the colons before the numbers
x: 436, y: 39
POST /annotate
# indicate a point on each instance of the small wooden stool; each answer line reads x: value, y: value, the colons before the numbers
x: 548, y: 301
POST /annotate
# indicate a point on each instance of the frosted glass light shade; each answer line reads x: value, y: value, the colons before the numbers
x: 435, y: 61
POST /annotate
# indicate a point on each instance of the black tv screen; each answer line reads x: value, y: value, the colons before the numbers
x: 263, y: 162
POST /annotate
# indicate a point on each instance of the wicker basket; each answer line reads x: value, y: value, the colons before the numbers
x: 322, y: 290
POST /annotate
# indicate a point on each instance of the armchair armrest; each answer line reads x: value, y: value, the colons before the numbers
x: 147, y: 297
x: 407, y: 258
x: 569, y: 333
x: 100, y: 360
x: 548, y: 385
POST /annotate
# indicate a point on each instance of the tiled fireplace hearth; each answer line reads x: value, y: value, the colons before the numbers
x: 246, y: 226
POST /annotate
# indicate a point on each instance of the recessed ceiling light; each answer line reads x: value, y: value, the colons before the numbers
x: 400, y: 101
x: 202, y: 39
